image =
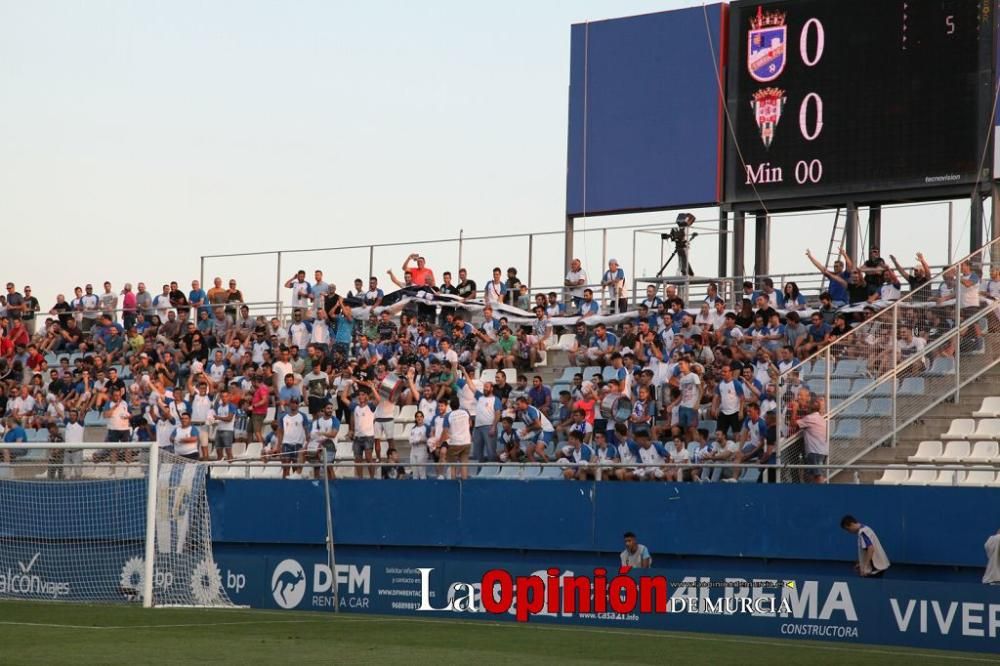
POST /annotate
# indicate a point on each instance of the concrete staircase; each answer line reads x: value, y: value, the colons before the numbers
x: 930, y: 426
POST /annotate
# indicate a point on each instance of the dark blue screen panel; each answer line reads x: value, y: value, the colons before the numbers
x: 645, y: 112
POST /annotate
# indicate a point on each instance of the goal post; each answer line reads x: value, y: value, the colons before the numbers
x: 106, y: 522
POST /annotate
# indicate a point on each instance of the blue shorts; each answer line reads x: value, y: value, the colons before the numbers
x: 687, y: 417
x: 290, y: 451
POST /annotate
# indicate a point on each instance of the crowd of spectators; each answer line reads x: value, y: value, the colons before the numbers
x: 194, y: 370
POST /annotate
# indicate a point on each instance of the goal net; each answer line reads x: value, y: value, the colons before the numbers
x: 75, y: 526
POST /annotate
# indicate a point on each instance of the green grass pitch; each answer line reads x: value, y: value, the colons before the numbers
x: 58, y: 633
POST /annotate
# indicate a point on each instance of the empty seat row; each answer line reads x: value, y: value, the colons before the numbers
x: 843, y: 388
x: 517, y: 471
x: 956, y: 451
x: 970, y: 429
x: 896, y: 475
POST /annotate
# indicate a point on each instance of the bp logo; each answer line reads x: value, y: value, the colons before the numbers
x: 288, y: 584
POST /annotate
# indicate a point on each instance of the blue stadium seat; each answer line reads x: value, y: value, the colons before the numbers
x: 549, y: 472
x: 608, y: 374
x: 750, y: 475
x: 912, y: 386
x: 535, y: 471
x: 840, y: 387
x: 818, y: 369
x: 883, y: 390
x: 847, y: 429
x: 862, y: 384
x: 880, y: 407
x: 488, y: 472
x: 856, y: 408
x: 850, y: 367
x: 567, y: 375
x: 942, y: 366
x: 94, y: 419
x: 710, y: 425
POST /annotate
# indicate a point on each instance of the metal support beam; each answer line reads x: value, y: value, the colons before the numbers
x: 874, y: 227
x: 761, y: 259
x: 568, y: 238
x: 995, y: 212
x: 723, y: 242
x: 976, y: 223
x: 739, y: 241
x: 851, y: 232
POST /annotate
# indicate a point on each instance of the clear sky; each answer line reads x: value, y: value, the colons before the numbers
x: 136, y: 136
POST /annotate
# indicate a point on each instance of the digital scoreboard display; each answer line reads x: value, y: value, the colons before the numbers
x: 849, y: 99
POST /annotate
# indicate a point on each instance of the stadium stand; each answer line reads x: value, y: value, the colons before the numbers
x: 130, y: 364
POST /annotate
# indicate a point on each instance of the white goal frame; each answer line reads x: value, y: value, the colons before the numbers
x: 152, y: 474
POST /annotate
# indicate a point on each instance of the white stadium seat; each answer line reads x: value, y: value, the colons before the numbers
x: 923, y: 476
x: 987, y: 429
x: 960, y: 429
x: 893, y: 475
x: 955, y: 451
x: 946, y: 477
x: 927, y: 451
x: 984, y: 452
x: 979, y: 476
x: 989, y: 409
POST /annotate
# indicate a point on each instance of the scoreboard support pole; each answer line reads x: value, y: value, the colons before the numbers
x: 976, y: 223
x: 874, y: 226
x: 851, y: 232
x: 739, y: 242
x: 995, y: 212
x: 568, y: 250
x: 761, y: 264
x: 723, y: 242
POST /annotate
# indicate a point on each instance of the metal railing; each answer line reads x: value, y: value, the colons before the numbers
x: 537, y: 255
x: 896, y: 365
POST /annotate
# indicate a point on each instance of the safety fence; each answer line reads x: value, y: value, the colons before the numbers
x: 895, y: 366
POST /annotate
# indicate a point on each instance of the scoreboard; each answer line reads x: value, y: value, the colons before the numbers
x: 852, y: 99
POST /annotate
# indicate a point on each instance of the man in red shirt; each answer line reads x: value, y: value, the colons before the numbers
x: 420, y: 273
x: 19, y: 334
x: 258, y: 410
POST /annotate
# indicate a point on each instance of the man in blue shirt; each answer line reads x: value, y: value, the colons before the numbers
x: 15, y: 435
x: 198, y: 298
x: 817, y: 335
x: 541, y: 395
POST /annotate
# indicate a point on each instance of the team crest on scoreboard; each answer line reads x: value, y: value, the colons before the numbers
x: 767, y: 107
x: 766, y: 45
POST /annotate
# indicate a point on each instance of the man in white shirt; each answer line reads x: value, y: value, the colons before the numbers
x: 73, y: 434
x: 576, y: 278
x: 690, y: 385
x: 281, y: 367
x: 457, y: 432
x: 301, y: 290
x: 224, y: 415
x: 362, y: 430
x: 199, y: 405
x: 185, y: 439
x: 872, y: 560
x: 727, y: 404
x: 117, y: 415
x: 322, y: 437
x: 292, y: 432
x: 635, y: 554
x: 992, y: 574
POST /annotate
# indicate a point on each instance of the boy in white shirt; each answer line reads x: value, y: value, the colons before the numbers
x: 418, y: 446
